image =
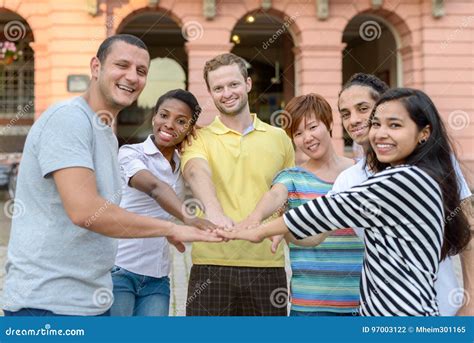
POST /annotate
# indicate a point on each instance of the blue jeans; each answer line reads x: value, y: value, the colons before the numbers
x: 139, y: 295
x: 36, y: 312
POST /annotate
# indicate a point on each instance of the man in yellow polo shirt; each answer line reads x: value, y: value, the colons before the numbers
x: 229, y: 167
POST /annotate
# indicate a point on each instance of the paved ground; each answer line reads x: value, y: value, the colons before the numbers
x: 179, y: 274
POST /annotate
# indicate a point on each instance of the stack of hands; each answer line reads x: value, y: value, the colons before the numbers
x: 221, y: 229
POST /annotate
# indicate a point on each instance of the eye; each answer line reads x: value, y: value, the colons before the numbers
x: 314, y: 126
x: 345, y: 115
x: 121, y: 65
x: 182, y: 121
x: 363, y: 109
x: 234, y: 84
x: 375, y: 124
x: 141, y: 72
x: 395, y: 126
x: 163, y: 115
x: 296, y: 134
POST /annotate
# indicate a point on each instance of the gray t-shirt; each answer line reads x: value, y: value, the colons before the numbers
x: 52, y: 263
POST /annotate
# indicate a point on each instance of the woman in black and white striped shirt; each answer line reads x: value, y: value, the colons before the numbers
x: 408, y: 209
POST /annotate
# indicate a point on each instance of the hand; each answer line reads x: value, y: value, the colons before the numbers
x: 276, y: 242
x: 182, y: 233
x: 251, y: 235
x: 247, y: 223
x: 188, y: 139
x: 201, y: 224
x: 220, y: 220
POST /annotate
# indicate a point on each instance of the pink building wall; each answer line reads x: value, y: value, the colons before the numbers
x: 436, y: 54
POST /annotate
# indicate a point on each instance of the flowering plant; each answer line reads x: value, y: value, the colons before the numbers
x: 8, y: 53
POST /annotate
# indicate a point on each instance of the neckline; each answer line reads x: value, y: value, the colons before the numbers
x: 314, y: 175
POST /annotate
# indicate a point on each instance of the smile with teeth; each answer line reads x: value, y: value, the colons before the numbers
x: 384, y: 147
x: 230, y: 102
x: 125, y: 88
x: 166, y: 135
x: 312, y: 147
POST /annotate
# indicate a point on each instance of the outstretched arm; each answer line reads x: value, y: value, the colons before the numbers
x: 307, y: 242
x: 165, y: 196
x: 270, y: 202
x: 198, y: 175
x: 87, y: 209
x: 273, y: 228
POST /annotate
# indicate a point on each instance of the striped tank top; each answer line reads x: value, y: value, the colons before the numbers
x: 325, y: 277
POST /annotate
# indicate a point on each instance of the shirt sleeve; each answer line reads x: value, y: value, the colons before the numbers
x: 464, y: 191
x: 359, y: 207
x: 66, y: 140
x: 284, y: 178
x: 197, y: 149
x: 131, y: 162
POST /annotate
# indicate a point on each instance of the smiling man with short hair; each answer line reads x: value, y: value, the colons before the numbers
x: 62, y: 245
x: 229, y: 167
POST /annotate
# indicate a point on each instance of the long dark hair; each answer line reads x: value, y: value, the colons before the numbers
x: 435, y: 156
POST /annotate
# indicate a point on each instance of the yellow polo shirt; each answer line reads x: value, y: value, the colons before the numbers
x: 243, y: 167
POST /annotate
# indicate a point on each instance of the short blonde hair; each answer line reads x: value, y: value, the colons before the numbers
x: 225, y: 60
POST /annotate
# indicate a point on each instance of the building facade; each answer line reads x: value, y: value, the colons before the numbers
x: 292, y: 47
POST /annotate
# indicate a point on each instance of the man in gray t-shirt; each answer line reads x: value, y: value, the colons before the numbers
x: 50, y: 258
x: 62, y: 244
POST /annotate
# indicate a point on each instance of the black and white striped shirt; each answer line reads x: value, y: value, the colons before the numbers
x: 401, y: 210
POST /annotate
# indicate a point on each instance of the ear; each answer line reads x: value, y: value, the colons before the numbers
x: 249, y: 84
x: 95, y: 67
x: 424, y: 134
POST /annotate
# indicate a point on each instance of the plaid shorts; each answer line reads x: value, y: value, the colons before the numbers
x: 236, y: 291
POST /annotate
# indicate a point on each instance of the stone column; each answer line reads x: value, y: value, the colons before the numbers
x: 319, y: 70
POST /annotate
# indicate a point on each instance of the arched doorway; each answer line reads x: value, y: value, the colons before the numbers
x: 372, y: 47
x: 168, y: 70
x: 265, y: 42
x: 16, y: 81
